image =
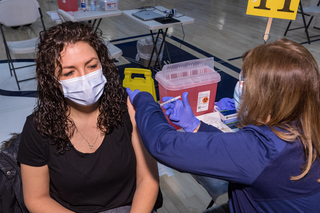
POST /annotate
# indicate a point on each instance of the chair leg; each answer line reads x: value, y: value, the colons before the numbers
x: 285, y: 33
x: 306, y: 27
x: 210, y: 204
x: 15, y: 76
x: 9, y: 59
x: 14, y: 71
x: 311, y: 18
x: 11, y: 67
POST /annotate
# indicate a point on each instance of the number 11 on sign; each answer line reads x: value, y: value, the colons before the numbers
x: 283, y: 9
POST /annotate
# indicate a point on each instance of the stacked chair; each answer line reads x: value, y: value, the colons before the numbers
x: 14, y: 13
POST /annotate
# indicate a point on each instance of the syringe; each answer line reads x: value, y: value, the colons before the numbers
x: 171, y: 100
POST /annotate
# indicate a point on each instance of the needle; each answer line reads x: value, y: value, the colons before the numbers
x: 171, y: 100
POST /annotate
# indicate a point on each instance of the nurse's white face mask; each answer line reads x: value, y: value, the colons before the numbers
x: 238, y: 92
x: 84, y: 90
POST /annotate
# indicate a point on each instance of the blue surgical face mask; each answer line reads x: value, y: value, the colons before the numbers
x: 238, y: 91
x: 84, y: 90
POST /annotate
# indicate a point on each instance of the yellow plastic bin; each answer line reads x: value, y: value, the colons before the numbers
x: 145, y: 83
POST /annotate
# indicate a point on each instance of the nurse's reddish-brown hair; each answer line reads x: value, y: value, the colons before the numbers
x: 281, y: 89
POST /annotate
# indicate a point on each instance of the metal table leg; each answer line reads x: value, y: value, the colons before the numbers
x: 155, y: 50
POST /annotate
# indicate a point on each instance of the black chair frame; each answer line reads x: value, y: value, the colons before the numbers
x: 305, y: 24
x: 10, y: 60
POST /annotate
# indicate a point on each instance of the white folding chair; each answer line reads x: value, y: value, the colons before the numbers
x: 311, y: 11
x: 18, y: 13
x: 114, y: 51
x: 65, y: 16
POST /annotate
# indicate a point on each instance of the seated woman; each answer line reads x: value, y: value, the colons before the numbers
x: 80, y: 150
x: 272, y: 163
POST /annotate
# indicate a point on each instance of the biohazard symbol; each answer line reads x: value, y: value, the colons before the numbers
x: 205, y: 100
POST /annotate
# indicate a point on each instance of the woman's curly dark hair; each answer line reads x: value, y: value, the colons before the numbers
x: 52, y: 111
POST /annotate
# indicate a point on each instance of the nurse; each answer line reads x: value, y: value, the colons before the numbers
x: 272, y: 163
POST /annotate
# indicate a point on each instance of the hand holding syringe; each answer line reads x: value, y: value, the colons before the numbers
x: 171, y: 100
x: 180, y: 112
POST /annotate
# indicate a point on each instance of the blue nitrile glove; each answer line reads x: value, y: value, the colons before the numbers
x: 226, y: 104
x: 180, y: 113
x: 132, y: 94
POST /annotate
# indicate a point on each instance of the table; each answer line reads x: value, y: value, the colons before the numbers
x: 80, y: 15
x: 154, y: 25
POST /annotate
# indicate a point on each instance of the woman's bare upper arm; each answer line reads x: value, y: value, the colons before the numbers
x: 146, y: 164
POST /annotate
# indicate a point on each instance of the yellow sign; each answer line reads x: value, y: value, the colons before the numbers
x: 283, y: 9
